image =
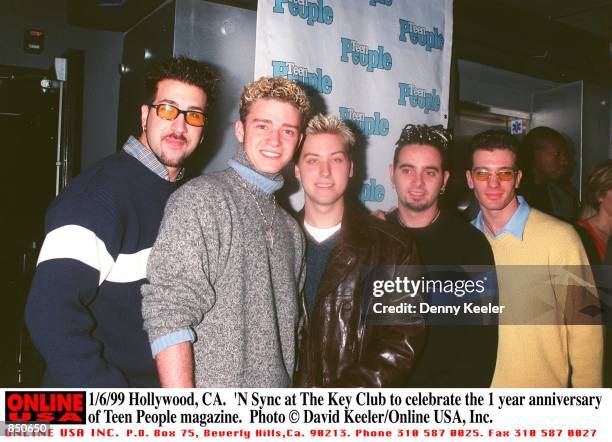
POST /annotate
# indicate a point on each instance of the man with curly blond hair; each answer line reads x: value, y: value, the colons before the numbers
x: 221, y: 306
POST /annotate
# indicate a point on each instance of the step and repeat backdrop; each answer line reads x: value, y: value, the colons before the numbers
x: 379, y: 64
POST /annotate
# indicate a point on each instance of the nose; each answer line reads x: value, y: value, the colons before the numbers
x: 493, y: 180
x: 178, y: 125
x: 274, y: 137
x: 563, y: 160
x: 325, y: 169
x: 418, y: 180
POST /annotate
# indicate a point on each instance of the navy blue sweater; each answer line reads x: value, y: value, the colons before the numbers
x: 84, y: 307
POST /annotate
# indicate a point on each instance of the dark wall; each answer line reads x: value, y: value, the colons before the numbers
x: 102, y: 57
x: 150, y: 40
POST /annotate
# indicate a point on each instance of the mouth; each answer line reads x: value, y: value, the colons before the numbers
x: 416, y: 195
x: 175, y: 142
x: 493, y: 196
x: 324, y: 185
x: 270, y: 154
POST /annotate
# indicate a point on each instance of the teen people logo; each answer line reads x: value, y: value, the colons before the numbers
x: 374, y: 125
x: 381, y: 2
x: 418, y: 98
x: 420, y: 35
x: 291, y: 71
x: 362, y: 55
x: 312, y: 12
x: 370, y: 191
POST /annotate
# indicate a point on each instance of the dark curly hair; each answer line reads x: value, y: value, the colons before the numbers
x: 181, y: 69
x: 436, y: 136
x: 495, y: 139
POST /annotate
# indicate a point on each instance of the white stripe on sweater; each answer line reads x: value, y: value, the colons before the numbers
x: 81, y: 244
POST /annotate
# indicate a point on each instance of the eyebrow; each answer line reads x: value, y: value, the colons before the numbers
x: 265, y: 120
x: 402, y: 165
x: 174, y: 103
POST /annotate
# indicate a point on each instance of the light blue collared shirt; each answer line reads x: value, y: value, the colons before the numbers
x: 514, y: 226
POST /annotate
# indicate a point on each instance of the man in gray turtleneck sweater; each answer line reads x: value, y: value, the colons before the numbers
x: 221, y: 306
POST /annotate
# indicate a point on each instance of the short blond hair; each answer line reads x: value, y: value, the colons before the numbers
x: 599, y: 182
x: 330, y: 124
x: 274, y: 89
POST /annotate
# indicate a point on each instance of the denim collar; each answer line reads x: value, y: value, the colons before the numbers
x: 243, y: 167
x: 514, y: 226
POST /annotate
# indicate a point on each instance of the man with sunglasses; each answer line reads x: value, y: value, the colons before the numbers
x: 221, y: 306
x: 84, y: 307
x: 460, y: 350
x: 549, y: 334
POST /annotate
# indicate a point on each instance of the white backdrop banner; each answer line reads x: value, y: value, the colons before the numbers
x: 378, y: 63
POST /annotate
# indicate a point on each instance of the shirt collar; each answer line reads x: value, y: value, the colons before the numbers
x: 514, y: 226
x: 136, y: 149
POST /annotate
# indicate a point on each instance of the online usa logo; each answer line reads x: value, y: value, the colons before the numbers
x: 369, y: 125
x: 362, y: 55
x: 291, y: 71
x: 382, y: 2
x: 420, y: 35
x: 312, y: 12
x: 418, y: 98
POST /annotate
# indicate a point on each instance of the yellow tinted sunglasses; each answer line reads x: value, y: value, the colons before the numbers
x: 482, y: 174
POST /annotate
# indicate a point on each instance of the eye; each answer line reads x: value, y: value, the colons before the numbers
x: 261, y: 126
x: 481, y: 174
x: 338, y: 160
x: 290, y: 132
x: 311, y: 161
x: 431, y: 173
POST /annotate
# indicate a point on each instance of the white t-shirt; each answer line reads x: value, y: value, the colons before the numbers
x: 319, y: 234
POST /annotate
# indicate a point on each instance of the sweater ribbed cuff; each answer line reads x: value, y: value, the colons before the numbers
x: 171, y: 339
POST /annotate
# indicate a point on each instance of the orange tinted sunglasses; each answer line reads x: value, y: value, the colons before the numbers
x: 482, y: 174
x: 169, y: 112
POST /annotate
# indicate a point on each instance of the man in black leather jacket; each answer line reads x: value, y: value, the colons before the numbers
x: 348, y: 337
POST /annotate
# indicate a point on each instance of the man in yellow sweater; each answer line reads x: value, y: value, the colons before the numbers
x: 550, y: 333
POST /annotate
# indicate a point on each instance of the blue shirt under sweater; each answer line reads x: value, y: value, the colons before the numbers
x: 84, y: 307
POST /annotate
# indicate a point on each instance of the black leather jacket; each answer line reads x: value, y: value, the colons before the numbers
x: 340, y: 346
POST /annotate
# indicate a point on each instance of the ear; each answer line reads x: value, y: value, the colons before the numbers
x: 144, y: 114
x: 519, y: 176
x: 239, y: 131
x: 445, y: 180
x: 351, y: 171
x: 468, y: 177
x: 391, y: 172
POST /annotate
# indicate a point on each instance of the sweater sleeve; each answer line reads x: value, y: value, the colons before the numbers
x: 82, y: 243
x: 583, y: 314
x: 181, y: 270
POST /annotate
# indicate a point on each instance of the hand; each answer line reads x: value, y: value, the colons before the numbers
x: 380, y: 214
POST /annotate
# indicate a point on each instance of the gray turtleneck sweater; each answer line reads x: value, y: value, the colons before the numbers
x: 217, y: 280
